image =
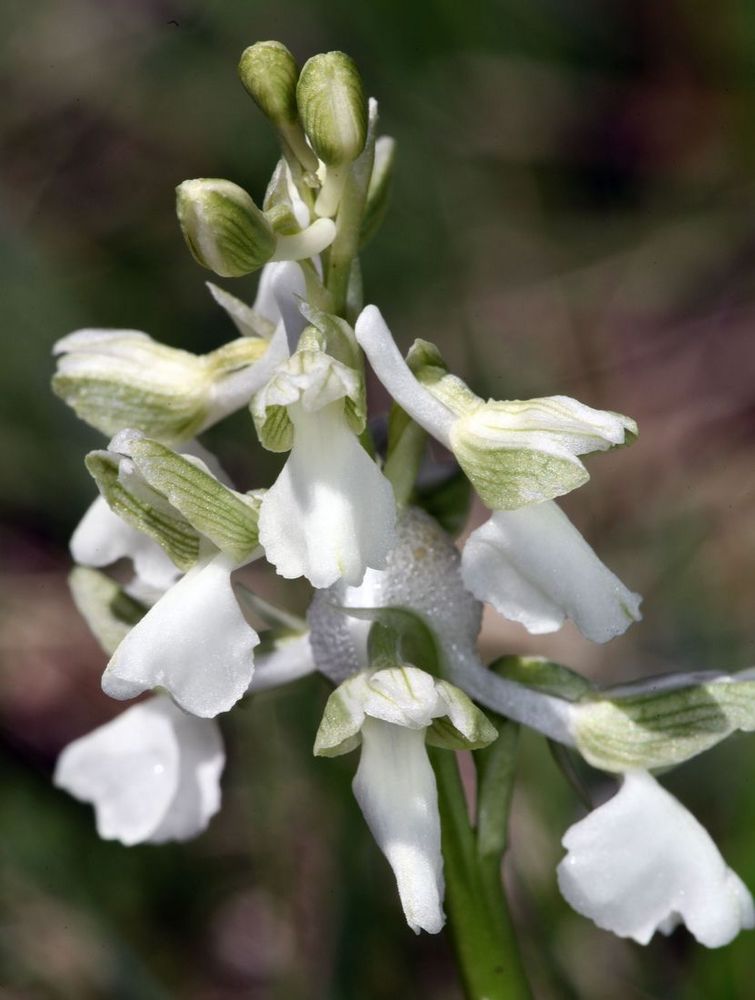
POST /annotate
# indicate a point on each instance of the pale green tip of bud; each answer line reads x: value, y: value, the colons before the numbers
x: 269, y: 74
x: 223, y: 228
x: 333, y: 107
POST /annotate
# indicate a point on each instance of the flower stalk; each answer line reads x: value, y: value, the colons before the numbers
x: 486, y: 948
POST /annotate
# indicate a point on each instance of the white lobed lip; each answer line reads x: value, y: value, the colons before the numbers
x: 642, y: 863
x: 152, y: 774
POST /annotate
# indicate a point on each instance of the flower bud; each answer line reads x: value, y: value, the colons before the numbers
x: 269, y: 73
x: 223, y: 228
x: 333, y: 107
x: 333, y: 110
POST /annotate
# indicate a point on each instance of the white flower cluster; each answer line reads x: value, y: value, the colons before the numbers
x: 345, y: 518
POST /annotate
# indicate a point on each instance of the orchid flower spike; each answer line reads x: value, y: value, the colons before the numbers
x: 641, y: 863
x: 331, y: 513
x: 195, y: 642
x: 392, y: 713
x: 152, y: 774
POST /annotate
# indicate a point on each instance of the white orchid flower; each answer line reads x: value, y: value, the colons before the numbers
x: 514, y: 453
x: 528, y: 560
x: 535, y: 568
x: 122, y: 378
x: 195, y: 641
x: 392, y: 713
x: 152, y: 774
x: 642, y: 863
x: 331, y: 513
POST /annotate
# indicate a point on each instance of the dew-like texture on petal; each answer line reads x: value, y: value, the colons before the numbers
x: 422, y: 574
x: 101, y: 538
x: 289, y: 660
x: 642, y: 863
x: 339, y: 640
x: 152, y: 774
x: 194, y: 642
x: 395, y: 788
x: 331, y: 512
x: 535, y: 568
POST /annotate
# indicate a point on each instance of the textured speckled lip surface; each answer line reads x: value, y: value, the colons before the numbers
x: 422, y: 574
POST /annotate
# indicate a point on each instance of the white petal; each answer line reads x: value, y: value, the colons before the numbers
x: 288, y: 661
x: 376, y: 341
x: 102, y: 538
x: 404, y: 696
x: 244, y: 318
x: 194, y: 642
x: 152, y: 774
x: 201, y: 761
x: 234, y: 391
x: 279, y: 294
x: 395, y: 788
x: 534, y: 567
x: 307, y: 243
x: 642, y: 863
x: 330, y: 514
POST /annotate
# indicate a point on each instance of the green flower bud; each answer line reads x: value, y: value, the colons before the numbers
x: 269, y: 74
x: 333, y: 110
x: 333, y: 107
x: 223, y: 228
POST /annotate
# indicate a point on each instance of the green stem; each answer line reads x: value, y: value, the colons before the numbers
x: 486, y: 947
x: 345, y: 246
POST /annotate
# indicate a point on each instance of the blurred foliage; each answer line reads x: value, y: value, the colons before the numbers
x: 573, y: 212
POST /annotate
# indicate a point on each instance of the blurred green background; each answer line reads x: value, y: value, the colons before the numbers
x: 572, y: 213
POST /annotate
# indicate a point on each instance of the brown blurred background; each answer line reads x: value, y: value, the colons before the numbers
x: 572, y: 213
